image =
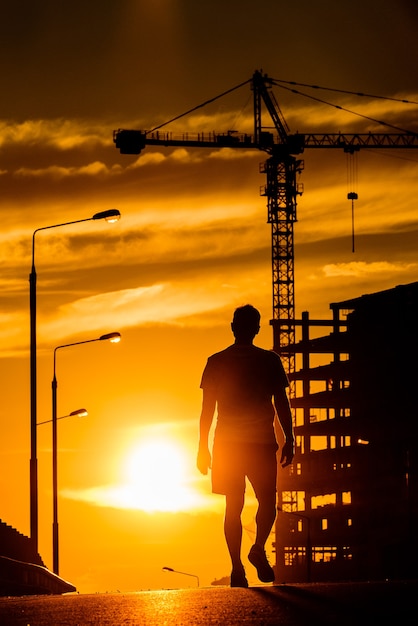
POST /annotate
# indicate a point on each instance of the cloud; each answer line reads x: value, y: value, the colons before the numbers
x: 360, y: 269
x: 95, y: 169
x: 167, y: 270
x: 350, y: 279
x: 56, y: 133
x: 156, y: 304
x: 10, y: 326
x: 233, y: 118
x: 128, y: 497
x: 188, y: 156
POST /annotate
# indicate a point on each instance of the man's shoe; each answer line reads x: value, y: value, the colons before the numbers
x: 238, y: 578
x: 258, y: 558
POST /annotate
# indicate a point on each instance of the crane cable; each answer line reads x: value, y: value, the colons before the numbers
x: 352, y: 179
x: 352, y: 93
x: 341, y: 108
x: 199, y: 106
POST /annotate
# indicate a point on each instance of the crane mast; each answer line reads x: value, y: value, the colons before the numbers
x: 281, y: 190
x: 281, y: 169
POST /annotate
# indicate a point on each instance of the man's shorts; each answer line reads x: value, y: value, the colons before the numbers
x: 233, y: 462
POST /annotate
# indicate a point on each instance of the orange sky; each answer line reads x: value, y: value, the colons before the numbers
x: 192, y: 243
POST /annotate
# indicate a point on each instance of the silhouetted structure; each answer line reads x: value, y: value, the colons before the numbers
x: 350, y: 500
x: 22, y: 571
x: 15, y: 545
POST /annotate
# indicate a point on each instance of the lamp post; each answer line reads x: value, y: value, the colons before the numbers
x: 170, y: 569
x: 112, y: 215
x: 78, y: 413
x: 113, y: 338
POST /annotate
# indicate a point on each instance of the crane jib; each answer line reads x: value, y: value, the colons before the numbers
x: 134, y: 141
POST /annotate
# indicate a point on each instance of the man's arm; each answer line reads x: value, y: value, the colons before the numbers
x: 204, y: 461
x: 284, y: 414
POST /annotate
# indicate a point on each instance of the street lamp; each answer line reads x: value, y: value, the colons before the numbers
x: 76, y: 413
x: 170, y: 569
x: 112, y: 215
x: 113, y: 338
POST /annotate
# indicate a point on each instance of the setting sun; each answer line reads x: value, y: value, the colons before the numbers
x: 155, y: 472
x: 155, y: 478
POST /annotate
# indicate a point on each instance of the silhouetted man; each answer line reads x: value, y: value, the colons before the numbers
x: 243, y: 382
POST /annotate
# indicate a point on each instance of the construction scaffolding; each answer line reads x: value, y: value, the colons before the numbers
x: 348, y: 505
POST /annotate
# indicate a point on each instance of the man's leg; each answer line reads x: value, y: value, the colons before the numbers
x: 233, y: 528
x: 266, y: 514
x: 263, y: 479
x: 228, y: 478
x: 265, y: 517
x: 233, y: 536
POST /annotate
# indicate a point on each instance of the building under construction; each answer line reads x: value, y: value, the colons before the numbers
x: 348, y: 506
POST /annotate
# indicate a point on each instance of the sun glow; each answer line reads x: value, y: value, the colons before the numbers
x: 156, y: 477
x: 157, y: 474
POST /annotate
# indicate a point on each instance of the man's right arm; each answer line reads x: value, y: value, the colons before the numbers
x: 204, y: 461
x: 284, y: 414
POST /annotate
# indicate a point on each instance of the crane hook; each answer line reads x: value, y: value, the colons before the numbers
x: 352, y: 195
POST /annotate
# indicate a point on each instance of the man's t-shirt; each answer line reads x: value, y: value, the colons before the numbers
x: 244, y: 379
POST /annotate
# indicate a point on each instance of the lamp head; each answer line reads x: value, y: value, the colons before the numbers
x: 79, y: 413
x: 112, y: 337
x: 112, y: 215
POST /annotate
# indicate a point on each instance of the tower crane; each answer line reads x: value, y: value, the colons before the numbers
x: 282, y: 167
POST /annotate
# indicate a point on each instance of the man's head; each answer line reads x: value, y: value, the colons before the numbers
x: 245, y: 323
